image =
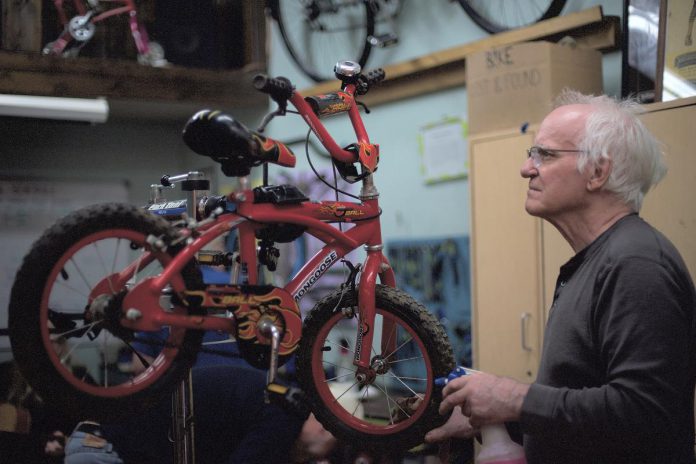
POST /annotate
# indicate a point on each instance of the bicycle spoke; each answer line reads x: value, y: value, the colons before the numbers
x: 387, y: 395
x: 340, y: 346
x: 104, y: 360
x: 80, y: 273
x: 76, y: 329
x: 339, y: 366
x: 103, y: 265
x: 70, y: 287
x: 344, y: 392
x: 137, y: 353
x: 116, y: 254
x: 406, y: 359
x: 389, y: 341
x: 385, y: 389
x: 408, y: 387
x: 332, y: 379
x: 398, y: 348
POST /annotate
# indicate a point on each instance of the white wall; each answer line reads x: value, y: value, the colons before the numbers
x: 413, y: 209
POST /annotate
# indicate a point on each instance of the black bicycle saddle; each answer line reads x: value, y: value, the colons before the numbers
x: 217, y: 135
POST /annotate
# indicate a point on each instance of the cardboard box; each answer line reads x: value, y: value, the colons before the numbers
x: 516, y: 84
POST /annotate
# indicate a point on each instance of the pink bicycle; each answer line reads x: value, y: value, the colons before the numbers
x: 110, y: 278
x: 79, y: 30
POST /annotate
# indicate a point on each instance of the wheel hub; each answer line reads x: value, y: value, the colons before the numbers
x: 96, y: 311
x: 105, y: 313
x: 379, y: 365
x: 81, y: 29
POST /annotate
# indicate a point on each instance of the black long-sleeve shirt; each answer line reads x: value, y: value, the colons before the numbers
x: 617, y: 373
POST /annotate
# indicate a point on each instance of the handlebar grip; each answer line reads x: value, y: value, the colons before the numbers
x: 375, y: 76
x: 277, y: 87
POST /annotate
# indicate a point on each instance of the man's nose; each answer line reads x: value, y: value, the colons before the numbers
x: 528, y: 169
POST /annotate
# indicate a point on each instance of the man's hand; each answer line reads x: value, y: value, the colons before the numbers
x: 485, y: 398
x: 457, y: 426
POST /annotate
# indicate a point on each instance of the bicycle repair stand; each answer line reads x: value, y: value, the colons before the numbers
x: 182, y: 399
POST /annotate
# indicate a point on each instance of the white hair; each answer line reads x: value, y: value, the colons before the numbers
x: 613, y: 131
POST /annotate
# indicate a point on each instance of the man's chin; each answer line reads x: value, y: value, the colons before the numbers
x: 532, y: 209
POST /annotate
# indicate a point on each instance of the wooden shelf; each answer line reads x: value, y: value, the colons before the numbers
x: 34, y: 74
x: 446, y: 68
x: 125, y: 81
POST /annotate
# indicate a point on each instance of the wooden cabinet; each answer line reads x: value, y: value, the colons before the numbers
x: 670, y: 207
x: 507, y: 258
x: 516, y: 257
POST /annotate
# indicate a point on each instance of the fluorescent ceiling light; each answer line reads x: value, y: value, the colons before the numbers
x: 69, y: 109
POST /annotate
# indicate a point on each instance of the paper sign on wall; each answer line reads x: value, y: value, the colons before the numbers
x: 444, y: 150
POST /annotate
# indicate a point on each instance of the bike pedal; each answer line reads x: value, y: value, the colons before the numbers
x: 290, y: 398
x: 383, y: 40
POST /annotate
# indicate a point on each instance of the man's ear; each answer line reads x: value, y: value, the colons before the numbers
x: 599, y: 174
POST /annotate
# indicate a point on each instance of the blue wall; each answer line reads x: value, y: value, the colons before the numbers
x: 412, y: 208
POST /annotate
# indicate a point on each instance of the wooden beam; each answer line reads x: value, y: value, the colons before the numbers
x: 446, y: 68
x: 32, y: 74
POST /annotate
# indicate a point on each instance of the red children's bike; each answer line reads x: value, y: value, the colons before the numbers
x: 109, y: 279
x: 79, y: 29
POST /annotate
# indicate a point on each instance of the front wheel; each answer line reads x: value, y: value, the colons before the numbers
x: 65, y: 313
x: 396, y: 403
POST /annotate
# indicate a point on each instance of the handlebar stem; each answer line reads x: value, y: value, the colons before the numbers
x: 355, y: 118
x: 320, y: 131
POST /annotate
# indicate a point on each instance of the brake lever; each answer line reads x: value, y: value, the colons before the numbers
x: 281, y: 111
x: 367, y: 110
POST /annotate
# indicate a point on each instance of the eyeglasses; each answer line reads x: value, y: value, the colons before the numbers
x: 540, y: 155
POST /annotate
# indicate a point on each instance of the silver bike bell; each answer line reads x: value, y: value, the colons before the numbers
x: 347, y: 68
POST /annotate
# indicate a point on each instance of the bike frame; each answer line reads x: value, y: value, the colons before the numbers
x: 249, y: 217
x: 119, y: 7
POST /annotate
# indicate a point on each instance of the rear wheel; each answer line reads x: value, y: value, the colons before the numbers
x: 319, y: 33
x: 397, y: 402
x: 501, y: 15
x: 65, y: 312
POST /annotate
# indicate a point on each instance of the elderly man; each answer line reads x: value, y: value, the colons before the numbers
x: 618, y: 365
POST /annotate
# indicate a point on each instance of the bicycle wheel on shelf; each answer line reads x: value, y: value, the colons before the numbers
x: 319, y: 33
x: 398, y: 402
x: 65, y: 308
x: 501, y: 15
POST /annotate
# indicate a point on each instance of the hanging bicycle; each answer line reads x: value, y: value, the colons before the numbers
x: 315, y: 32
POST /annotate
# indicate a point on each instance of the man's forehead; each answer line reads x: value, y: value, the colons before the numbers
x: 570, y: 114
x: 566, y: 122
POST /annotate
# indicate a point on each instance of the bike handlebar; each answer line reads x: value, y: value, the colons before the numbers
x: 368, y: 80
x: 281, y: 90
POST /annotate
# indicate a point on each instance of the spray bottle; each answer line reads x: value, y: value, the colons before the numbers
x: 497, y: 446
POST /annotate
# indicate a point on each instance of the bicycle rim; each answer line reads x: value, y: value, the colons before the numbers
x: 502, y: 15
x: 65, y: 314
x: 341, y: 391
x: 94, y: 356
x: 319, y: 33
x: 397, y: 402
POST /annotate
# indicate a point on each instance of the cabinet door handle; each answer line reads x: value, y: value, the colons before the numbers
x: 523, y: 330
